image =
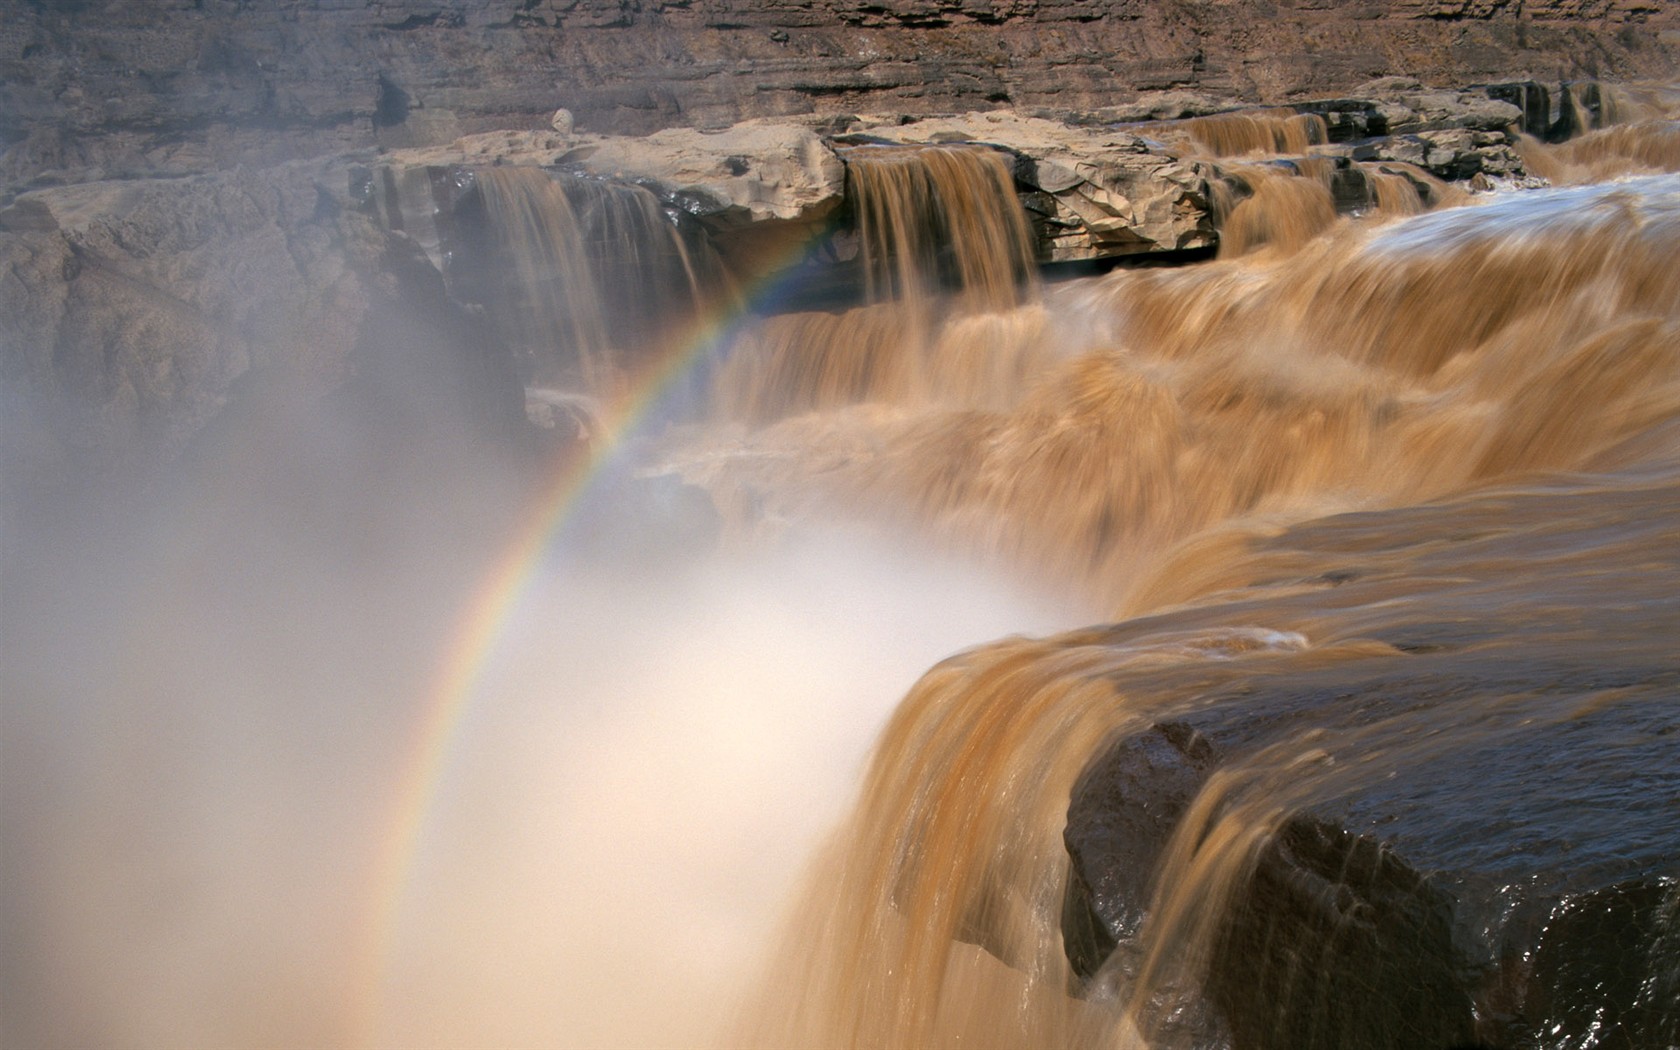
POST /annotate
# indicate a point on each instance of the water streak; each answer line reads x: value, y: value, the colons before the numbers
x: 946, y: 258
x: 601, y: 276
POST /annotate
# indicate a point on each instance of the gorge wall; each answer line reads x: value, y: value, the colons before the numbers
x: 103, y: 88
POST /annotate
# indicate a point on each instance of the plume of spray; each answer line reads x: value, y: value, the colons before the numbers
x: 243, y: 806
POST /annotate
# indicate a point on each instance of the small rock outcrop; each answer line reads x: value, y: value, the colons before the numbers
x: 1091, y: 192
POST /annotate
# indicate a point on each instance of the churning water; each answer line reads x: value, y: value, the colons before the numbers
x: 1432, y: 457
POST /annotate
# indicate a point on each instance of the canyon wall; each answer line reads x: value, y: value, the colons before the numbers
x: 114, y: 88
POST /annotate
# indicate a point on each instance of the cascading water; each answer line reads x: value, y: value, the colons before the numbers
x: 933, y: 217
x: 1269, y: 131
x: 1370, y: 743
x: 942, y: 247
x: 1149, y: 445
x: 599, y: 274
x: 1519, y: 360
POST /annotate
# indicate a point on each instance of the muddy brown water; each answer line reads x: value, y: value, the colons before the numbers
x: 1440, y: 448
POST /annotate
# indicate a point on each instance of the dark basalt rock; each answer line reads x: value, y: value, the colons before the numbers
x: 1347, y: 119
x: 1506, y: 883
x: 1533, y: 99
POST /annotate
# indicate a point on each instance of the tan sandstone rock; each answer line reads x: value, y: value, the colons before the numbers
x: 1103, y: 192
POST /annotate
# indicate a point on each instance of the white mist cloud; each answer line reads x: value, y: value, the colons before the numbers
x: 641, y: 779
x: 209, y: 705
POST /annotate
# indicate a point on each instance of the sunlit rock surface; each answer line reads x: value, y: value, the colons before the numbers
x: 175, y: 86
x: 1091, y: 192
x: 755, y: 171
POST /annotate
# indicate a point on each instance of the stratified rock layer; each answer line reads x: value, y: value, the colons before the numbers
x: 1092, y: 192
x: 118, y: 87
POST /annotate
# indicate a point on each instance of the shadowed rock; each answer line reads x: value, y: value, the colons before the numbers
x: 1508, y: 880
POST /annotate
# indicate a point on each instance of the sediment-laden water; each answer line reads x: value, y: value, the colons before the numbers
x: 1475, y: 410
x: 272, y: 786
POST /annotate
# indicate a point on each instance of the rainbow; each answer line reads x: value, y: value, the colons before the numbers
x: 483, y: 620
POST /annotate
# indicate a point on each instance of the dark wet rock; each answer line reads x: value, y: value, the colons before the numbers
x: 1123, y: 814
x: 1535, y: 101
x: 1505, y: 881
x: 1349, y: 119
x: 1554, y: 112
x: 1352, y: 189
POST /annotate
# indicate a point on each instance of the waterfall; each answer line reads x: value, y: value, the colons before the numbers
x: 598, y: 273
x: 943, y: 245
x: 1276, y: 651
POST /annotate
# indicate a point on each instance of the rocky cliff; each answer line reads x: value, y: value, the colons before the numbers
x: 92, y: 88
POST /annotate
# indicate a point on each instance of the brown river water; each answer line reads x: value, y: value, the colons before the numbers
x: 794, y: 769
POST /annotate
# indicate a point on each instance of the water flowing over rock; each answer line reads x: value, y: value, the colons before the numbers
x: 1316, y: 819
x: 1415, y: 883
x: 1090, y: 193
x: 599, y: 274
x: 939, y: 217
x: 436, y: 571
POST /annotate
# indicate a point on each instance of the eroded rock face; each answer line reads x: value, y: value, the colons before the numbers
x: 760, y: 189
x: 134, y: 305
x: 767, y: 192
x: 138, y: 302
x: 106, y: 88
x: 131, y: 311
x: 756, y: 171
x: 1454, y: 135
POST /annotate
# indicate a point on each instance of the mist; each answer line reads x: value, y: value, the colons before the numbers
x: 214, y: 684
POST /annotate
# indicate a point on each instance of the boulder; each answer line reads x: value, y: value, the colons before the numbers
x: 756, y: 171
x: 1408, y: 111
x: 1455, y: 154
x: 1466, y: 833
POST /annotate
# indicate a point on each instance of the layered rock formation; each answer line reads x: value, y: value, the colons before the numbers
x: 136, y: 297
x: 109, y: 87
x: 1092, y: 192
